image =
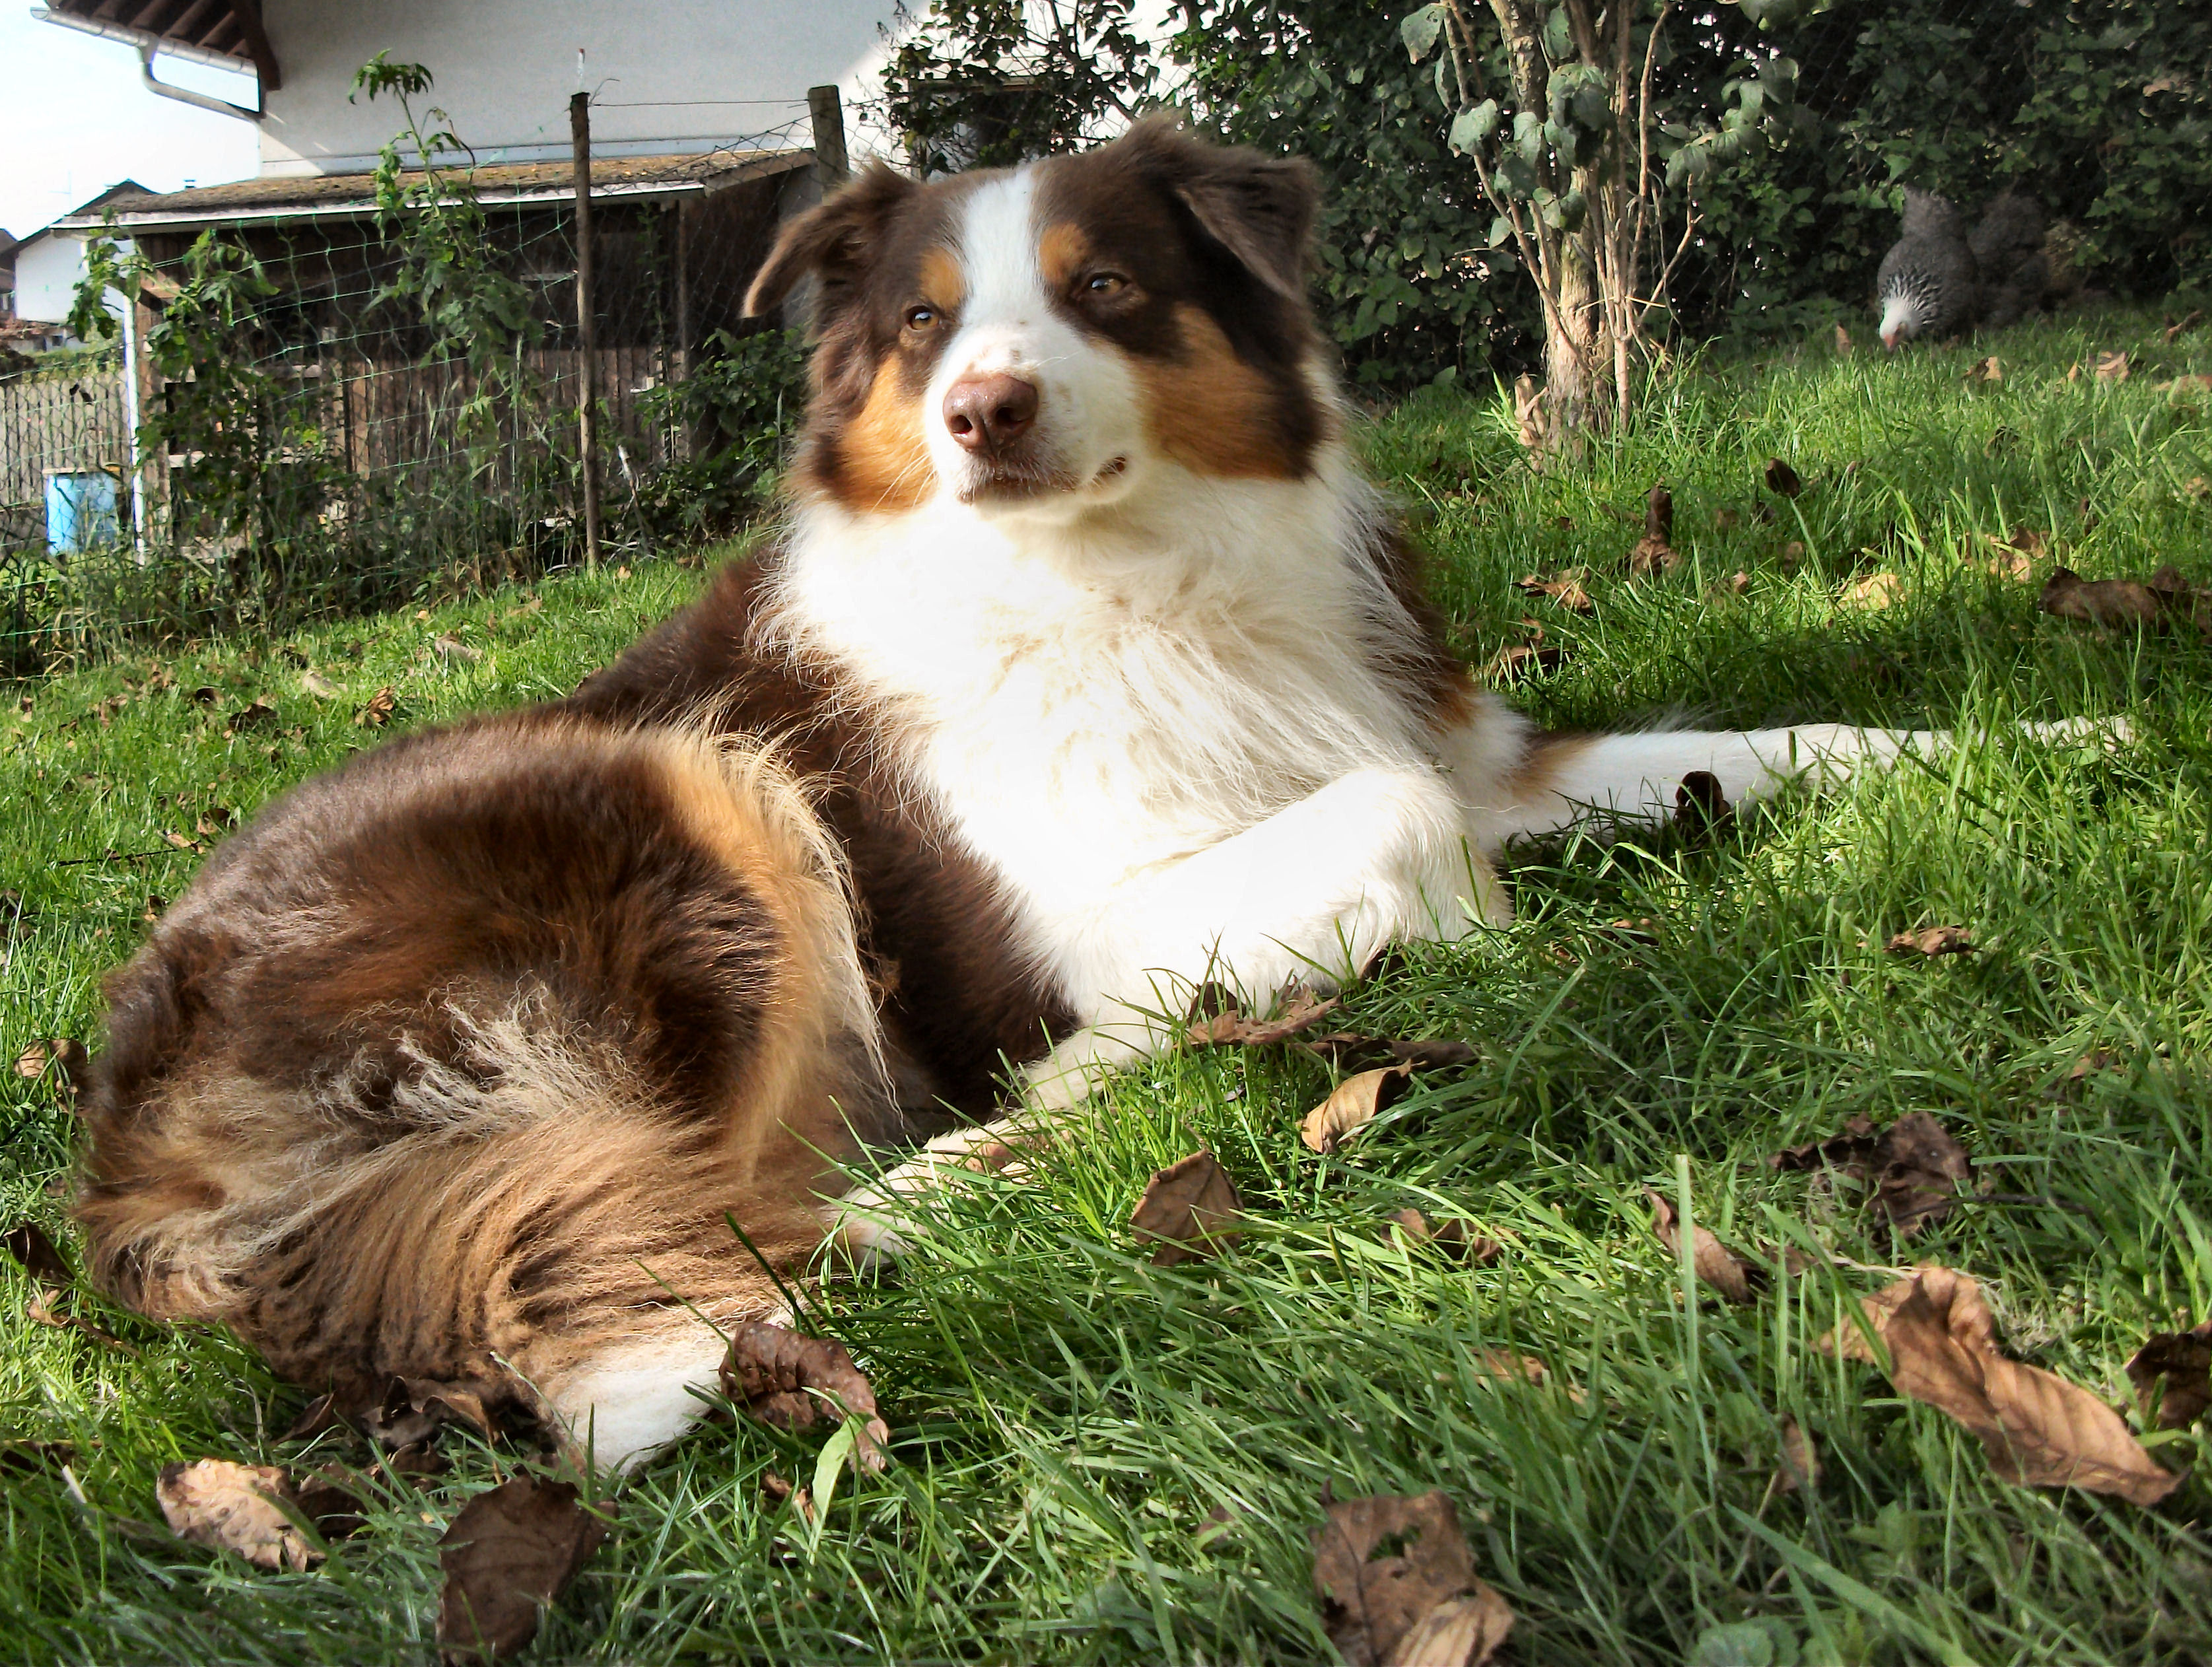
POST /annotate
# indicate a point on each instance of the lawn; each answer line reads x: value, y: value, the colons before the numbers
x: 1098, y: 1460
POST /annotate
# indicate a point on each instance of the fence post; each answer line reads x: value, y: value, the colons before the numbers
x: 588, y: 335
x: 149, y: 470
x: 827, y: 113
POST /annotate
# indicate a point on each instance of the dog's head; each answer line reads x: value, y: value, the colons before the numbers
x: 1048, y: 340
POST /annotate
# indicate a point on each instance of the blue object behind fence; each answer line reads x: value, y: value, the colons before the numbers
x: 81, y: 509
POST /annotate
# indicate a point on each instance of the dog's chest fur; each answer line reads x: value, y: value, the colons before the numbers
x: 1082, y: 706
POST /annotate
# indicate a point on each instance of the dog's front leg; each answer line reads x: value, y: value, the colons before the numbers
x: 1307, y: 896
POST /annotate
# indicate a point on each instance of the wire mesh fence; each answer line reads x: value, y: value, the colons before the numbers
x: 342, y: 406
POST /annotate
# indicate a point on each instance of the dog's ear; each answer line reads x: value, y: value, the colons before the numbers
x: 1260, y: 209
x: 834, y: 240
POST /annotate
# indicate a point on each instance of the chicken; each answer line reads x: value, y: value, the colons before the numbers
x: 2008, y: 249
x: 1930, y: 283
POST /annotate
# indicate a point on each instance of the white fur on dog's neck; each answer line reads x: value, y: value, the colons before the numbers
x: 1090, y: 700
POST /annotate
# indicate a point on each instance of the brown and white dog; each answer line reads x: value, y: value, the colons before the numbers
x: 1088, y: 667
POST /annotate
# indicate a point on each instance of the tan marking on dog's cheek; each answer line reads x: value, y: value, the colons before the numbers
x: 944, y: 279
x: 1210, y: 411
x: 1062, y: 252
x: 882, y: 464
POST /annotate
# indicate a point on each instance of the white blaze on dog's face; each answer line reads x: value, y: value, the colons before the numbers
x: 1048, y: 341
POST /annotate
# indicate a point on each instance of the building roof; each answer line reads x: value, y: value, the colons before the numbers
x: 216, y: 29
x: 90, y: 212
x: 352, y: 195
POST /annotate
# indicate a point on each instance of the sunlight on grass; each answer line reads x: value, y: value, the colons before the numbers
x: 1099, y: 1461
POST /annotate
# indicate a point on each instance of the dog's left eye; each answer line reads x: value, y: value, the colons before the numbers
x: 1106, y: 283
x: 920, y: 317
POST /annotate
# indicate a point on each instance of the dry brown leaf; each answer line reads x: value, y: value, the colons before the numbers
x: 1919, y: 1170
x: 1503, y: 1366
x: 509, y: 1552
x: 2067, y: 595
x: 1227, y: 1028
x: 237, y: 1508
x: 1843, y: 343
x: 378, y: 712
x: 2173, y: 1376
x: 1782, y: 480
x: 39, y: 1255
x: 452, y: 647
x: 1735, y: 585
x: 1987, y: 370
x: 214, y: 821
x: 2186, y: 322
x: 1567, y: 589
x: 62, y: 1060
x: 319, y: 1415
x: 1452, y: 1235
x: 313, y: 682
x: 1874, y: 591
x: 1800, y: 1460
x: 2036, y: 1428
x: 182, y: 841
x: 1355, y: 1102
x: 2111, y: 367
x: 1701, y: 809
x: 1524, y: 659
x: 1916, y: 1168
x: 1932, y: 941
x: 1353, y: 1050
x: 1654, y: 552
x: 788, y: 1379
x: 1398, y: 1588
x: 1714, y: 1263
x: 257, y: 714
x: 1189, y: 1209
x: 412, y: 1410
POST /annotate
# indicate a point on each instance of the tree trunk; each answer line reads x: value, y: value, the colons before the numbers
x: 1577, y: 356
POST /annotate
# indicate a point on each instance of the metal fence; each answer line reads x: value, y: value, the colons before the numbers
x: 339, y: 416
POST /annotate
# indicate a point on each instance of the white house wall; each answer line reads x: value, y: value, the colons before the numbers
x: 667, y: 76
x: 47, y: 270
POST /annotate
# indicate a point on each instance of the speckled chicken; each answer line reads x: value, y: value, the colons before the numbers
x: 1930, y: 283
x: 2008, y: 249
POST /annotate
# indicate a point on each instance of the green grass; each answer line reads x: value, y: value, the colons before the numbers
x: 1100, y: 1462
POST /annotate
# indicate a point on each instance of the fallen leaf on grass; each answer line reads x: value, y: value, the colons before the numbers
x: 62, y: 1060
x: 1654, y: 552
x: 2111, y: 367
x: 257, y: 715
x: 2185, y: 324
x: 314, y: 683
x: 1701, y: 810
x: 182, y: 841
x: 1714, y: 1263
x: 1521, y: 659
x: 39, y: 1255
x: 1189, y: 1209
x: 2036, y: 1428
x: 1228, y: 1028
x: 776, y: 1490
x: 235, y: 1507
x: 1843, y: 343
x: 1452, y: 1235
x: 1782, y: 480
x: 2173, y: 1376
x: 1800, y: 1460
x: 789, y: 1380
x: 1931, y: 940
x: 412, y: 1409
x: 1737, y: 583
x: 452, y: 647
x: 1353, y: 1104
x: 1353, y: 1050
x: 510, y: 1552
x: 2164, y: 597
x: 1398, y: 1588
x: 319, y: 1415
x: 1987, y: 370
x: 1874, y: 591
x: 379, y: 710
x: 1567, y: 589
x: 1916, y: 1168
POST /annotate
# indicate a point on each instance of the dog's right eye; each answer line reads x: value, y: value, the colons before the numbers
x: 920, y: 317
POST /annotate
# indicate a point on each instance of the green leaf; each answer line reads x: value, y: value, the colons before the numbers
x: 1420, y: 30
x: 1501, y: 231
x: 835, y: 1451
x: 1472, y: 126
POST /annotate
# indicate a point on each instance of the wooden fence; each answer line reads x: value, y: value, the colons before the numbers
x: 70, y: 415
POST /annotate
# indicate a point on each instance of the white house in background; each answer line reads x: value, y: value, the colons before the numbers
x: 668, y: 77
x: 50, y: 264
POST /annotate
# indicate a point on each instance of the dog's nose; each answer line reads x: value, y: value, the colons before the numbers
x: 987, y: 413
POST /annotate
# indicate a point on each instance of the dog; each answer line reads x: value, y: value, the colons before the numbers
x: 1087, y: 667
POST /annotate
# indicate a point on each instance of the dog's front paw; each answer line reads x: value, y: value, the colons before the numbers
x: 877, y: 1221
